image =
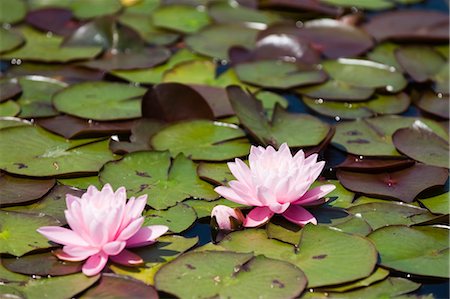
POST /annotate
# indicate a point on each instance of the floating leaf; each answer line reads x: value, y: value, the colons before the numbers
x: 178, y: 218
x: 181, y: 18
x: 422, y: 145
x: 372, y: 137
x: 53, y: 204
x: 40, y: 47
x: 380, y: 104
x: 385, y: 53
x: 16, y: 190
x: 403, y: 185
x: 336, y: 90
x: 53, y: 19
x: 82, y: 182
x: 36, y: 98
x: 437, y: 204
x: 363, y: 4
x: 202, y: 140
x: 215, y: 173
x: 100, y: 101
x: 10, y: 39
x: 436, y: 104
x: 379, y: 214
x: 284, y: 126
x: 321, y: 248
x: 225, y: 12
x: 7, y: 276
x: 10, y: 88
x: 374, y: 165
x: 229, y: 275
x: 18, y: 232
x: 441, y: 79
x: 366, y: 74
x: 416, y: 250
x: 45, y: 154
x: 9, y: 122
x: 86, y: 9
x: 151, y: 173
x: 278, y: 74
x: 41, y: 264
x: 9, y: 108
x: 118, y: 286
x: 166, y: 249
x: 12, y: 11
x: 214, y: 41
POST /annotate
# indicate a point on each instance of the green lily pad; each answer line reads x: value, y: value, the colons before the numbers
x: 438, y: 204
x: 18, y: 232
x: 10, y: 39
x: 321, y: 248
x: 420, y: 62
x: 53, y: 204
x: 87, y: 9
x: 270, y: 100
x: 339, y: 197
x: 82, y: 182
x: 225, y: 12
x: 155, y: 75
x: 373, y: 137
x: 165, y: 250
x: 40, y: 47
x: 362, y: 4
x: 215, y: 173
x: 118, y: 286
x: 16, y: 190
x: 376, y: 276
x: 215, y: 40
x: 56, y: 287
x: 100, y: 100
x: 178, y: 218
x: 379, y: 105
x: 10, y: 122
x: 202, y: 140
x: 436, y: 104
x: 388, y: 288
x: 441, y: 79
x: 366, y: 74
x: 144, y: 26
x: 166, y: 183
x: 9, y: 108
x: 180, y: 18
x: 203, y: 208
x: 41, y: 264
x: 422, y: 145
x: 278, y: 74
x: 379, y: 214
x: 336, y: 90
x: 229, y: 275
x: 46, y: 154
x: 283, y: 127
x: 36, y: 98
x: 403, y: 184
x: 417, y: 250
x: 385, y: 53
x: 12, y: 11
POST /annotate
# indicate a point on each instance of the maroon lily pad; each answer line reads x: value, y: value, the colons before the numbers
x: 217, y: 99
x: 331, y: 37
x: 409, y: 25
x: 53, y: 19
x: 10, y: 88
x: 303, y: 5
x: 118, y: 286
x: 373, y: 165
x: 129, y: 60
x: 73, y: 127
x: 15, y: 190
x: 170, y: 102
x: 403, y: 185
x: 41, y: 264
x: 422, y: 145
x: 436, y: 104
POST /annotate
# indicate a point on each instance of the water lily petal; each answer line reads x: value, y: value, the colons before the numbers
x: 114, y: 248
x: 131, y: 229
x: 146, y: 235
x: 222, y: 215
x: 299, y: 215
x: 230, y: 194
x: 95, y: 264
x: 62, y: 235
x: 258, y: 216
x: 313, y: 196
x: 82, y: 252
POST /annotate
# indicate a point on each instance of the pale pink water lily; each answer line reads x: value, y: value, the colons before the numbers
x: 225, y: 216
x: 276, y: 183
x: 102, y: 225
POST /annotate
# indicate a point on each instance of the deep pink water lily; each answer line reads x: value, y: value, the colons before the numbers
x: 276, y: 183
x: 102, y: 225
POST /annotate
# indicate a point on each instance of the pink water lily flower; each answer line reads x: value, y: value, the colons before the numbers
x: 102, y: 225
x: 276, y: 183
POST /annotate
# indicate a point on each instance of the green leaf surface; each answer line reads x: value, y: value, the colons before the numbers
x: 178, y: 218
x: 87, y: 9
x: 10, y: 39
x: 12, y: 11
x: 180, y: 18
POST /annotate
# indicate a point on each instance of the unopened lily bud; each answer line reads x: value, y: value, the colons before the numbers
x: 227, y: 218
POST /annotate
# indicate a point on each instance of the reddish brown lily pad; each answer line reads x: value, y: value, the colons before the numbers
x: 303, y: 5
x: 169, y: 102
x: 41, y: 264
x: 404, y: 184
x: 409, y: 25
x: 15, y: 190
x: 53, y: 19
x: 74, y: 127
x: 10, y: 88
x: 436, y: 104
x: 422, y: 145
x: 373, y: 165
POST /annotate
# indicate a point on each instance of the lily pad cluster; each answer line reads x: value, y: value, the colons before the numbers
x: 158, y: 95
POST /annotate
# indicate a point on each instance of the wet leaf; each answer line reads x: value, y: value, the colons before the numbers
x: 178, y: 218
x: 336, y: 90
x: 433, y: 103
x: 378, y: 275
